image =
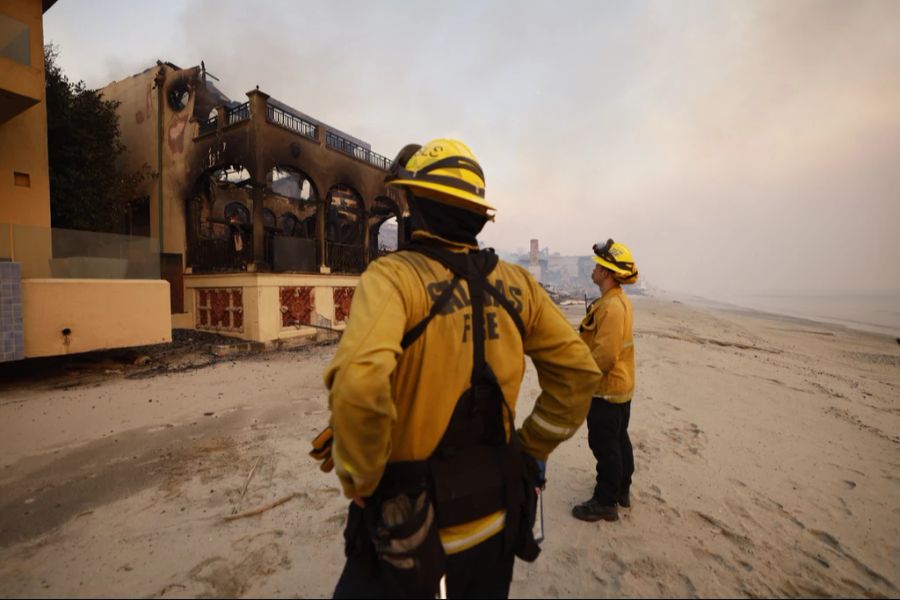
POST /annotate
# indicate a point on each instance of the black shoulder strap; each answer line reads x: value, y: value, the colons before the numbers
x: 477, y: 281
x: 413, y: 334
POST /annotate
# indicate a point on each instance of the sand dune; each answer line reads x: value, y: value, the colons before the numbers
x: 767, y: 453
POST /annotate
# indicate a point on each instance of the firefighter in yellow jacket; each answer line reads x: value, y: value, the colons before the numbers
x: 426, y: 374
x: 607, y: 330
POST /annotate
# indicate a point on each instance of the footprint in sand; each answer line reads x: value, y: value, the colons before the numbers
x: 873, y: 576
x: 737, y: 508
x: 644, y: 448
x: 743, y: 543
x: 844, y: 508
x: 220, y: 577
x: 770, y: 505
x: 657, y: 495
x: 687, y: 437
x: 705, y: 556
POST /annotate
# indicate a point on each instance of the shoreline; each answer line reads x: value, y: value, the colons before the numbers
x: 888, y: 331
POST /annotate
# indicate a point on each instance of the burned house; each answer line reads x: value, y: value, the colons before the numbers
x: 266, y: 216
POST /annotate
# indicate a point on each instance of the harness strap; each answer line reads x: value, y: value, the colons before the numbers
x: 476, y: 294
x: 413, y: 334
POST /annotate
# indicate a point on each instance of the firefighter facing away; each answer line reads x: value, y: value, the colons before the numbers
x: 423, y: 390
x: 607, y: 330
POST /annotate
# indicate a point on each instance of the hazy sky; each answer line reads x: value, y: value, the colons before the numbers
x: 734, y: 146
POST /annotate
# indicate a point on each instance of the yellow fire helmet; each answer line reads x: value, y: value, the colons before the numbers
x: 617, y: 258
x: 446, y: 170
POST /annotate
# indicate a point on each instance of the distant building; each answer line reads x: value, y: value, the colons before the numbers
x: 534, y: 261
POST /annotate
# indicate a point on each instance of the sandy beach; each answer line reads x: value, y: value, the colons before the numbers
x: 767, y: 452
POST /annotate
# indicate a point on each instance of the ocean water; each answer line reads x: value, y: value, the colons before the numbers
x: 878, y: 312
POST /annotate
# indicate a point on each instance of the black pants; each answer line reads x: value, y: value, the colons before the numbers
x: 484, y: 571
x: 608, y: 438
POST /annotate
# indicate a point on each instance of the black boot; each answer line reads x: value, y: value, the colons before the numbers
x: 625, y: 500
x: 594, y: 511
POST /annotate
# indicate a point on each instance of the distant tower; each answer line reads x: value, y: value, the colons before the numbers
x: 534, y: 265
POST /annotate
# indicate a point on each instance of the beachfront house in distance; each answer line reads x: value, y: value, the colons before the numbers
x: 265, y: 216
x: 61, y: 292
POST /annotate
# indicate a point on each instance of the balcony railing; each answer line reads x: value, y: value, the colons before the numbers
x: 282, y: 118
x: 344, y: 258
x: 220, y: 255
x: 239, y: 113
x: 209, y: 125
x: 342, y: 144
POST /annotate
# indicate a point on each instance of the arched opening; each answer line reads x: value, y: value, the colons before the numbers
x: 344, y: 231
x: 291, y: 183
x: 237, y: 213
x: 291, y: 226
x: 291, y: 243
x: 387, y: 236
x: 384, y: 227
x: 291, y: 192
x: 219, y: 221
x: 231, y: 174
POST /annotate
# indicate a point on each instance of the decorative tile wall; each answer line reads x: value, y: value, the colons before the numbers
x: 343, y: 298
x: 12, y: 336
x: 220, y: 309
x: 297, y: 305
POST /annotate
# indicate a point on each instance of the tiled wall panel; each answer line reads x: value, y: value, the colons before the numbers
x: 12, y: 337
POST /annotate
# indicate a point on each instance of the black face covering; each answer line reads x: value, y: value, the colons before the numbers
x: 449, y: 222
